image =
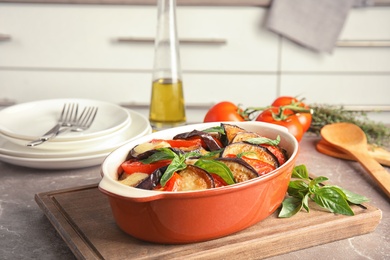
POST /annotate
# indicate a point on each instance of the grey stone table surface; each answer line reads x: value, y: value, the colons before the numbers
x: 26, y: 233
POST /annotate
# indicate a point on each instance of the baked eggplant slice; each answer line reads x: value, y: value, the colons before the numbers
x: 279, y: 153
x: 243, y: 136
x: 207, y: 138
x: 276, y: 150
x: 230, y: 132
x: 152, y: 180
x: 251, y: 150
x: 132, y: 179
x: 240, y: 169
x: 195, y: 178
x: 144, y: 150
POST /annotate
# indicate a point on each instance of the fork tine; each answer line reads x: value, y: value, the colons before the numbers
x: 87, y: 117
x: 69, y: 117
x: 93, y: 115
x: 63, y: 112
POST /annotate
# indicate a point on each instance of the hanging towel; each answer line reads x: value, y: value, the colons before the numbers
x: 315, y: 24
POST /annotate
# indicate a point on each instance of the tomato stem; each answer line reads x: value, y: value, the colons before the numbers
x: 280, y: 115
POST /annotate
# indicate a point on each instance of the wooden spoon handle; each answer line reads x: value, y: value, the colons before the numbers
x: 379, y: 154
x: 380, y: 175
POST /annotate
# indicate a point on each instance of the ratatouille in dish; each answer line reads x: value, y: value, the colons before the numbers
x: 201, y: 159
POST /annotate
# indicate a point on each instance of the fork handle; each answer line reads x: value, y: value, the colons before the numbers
x: 49, y: 135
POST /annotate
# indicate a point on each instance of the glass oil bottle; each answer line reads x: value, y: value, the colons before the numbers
x: 167, y: 107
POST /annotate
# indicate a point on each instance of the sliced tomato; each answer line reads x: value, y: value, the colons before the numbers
x: 136, y: 166
x: 180, y: 142
x: 277, y: 151
x: 218, y: 181
x: 261, y: 167
x: 173, y: 184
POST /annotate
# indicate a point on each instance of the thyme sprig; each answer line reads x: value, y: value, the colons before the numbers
x: 377, y: 133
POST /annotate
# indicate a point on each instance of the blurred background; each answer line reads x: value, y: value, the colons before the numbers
x: 104, y: 50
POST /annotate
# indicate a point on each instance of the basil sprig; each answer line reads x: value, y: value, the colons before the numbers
x: 264, y: 140
x: 216, y: 167
x: 177, y: 163
x: 302, y: 189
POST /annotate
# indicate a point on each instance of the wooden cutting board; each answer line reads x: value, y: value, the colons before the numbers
x: 82, y: 216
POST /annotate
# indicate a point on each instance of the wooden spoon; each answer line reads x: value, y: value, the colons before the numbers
x: 381, y: 155
x: 351, y: 139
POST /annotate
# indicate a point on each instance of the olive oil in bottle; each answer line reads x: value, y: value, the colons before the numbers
x: 167, y: 108
x: 167, y: 104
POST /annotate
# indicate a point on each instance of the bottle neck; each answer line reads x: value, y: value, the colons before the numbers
x: 167, y: 57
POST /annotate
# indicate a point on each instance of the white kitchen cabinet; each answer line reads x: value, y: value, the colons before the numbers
x: 86, y: 37
x: 134, y: 89
x: 73, y: 51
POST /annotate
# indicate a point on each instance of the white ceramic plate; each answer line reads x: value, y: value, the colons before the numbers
x: 17, y: 155
x: 30, y: 120
x: 90, y: 144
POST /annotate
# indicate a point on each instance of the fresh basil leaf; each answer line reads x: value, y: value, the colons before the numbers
x: 247, y: 154
x: 305, y: 202
x: 332, y: 199
x: 212, y: 154
x: 162, y: 154
x: 300, y: 172
x: 290, y: 207
x: 264, y: 140
x: 218, y: 168
x: 297, y: 188
x: 318, y: 180
x: 177, y: 164
x: 314, y: 184
x: 353, y: 197
x: 218, y: 129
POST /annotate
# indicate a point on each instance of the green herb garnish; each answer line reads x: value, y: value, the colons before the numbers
x: 177, y: 164
x: 218, y: 168
x: 302, y: 188
x: 264, y: 140
x: 376, y: 132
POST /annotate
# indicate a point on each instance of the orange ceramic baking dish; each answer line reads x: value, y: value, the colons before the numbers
x: 193, y: 216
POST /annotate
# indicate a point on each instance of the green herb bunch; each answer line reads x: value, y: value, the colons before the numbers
x: 376, y: 132
x: 302, y: 189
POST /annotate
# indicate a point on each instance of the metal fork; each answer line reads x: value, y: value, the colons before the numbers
x: 86, y: 119
x: 76, y: 125
x: 67, y: 118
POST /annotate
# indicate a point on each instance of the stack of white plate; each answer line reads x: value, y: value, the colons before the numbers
x: 20, y: 124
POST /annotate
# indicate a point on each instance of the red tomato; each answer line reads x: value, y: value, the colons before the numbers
x: 180, y: 142
x: 291, y: 122
x: 173, y: 183
x: 261, y: 167
x: 304, y: 118
x: 277, y: 152
x: 136, y: 166
x: 223, y: 111
x: 284, y: 101
x: 218, y: 181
